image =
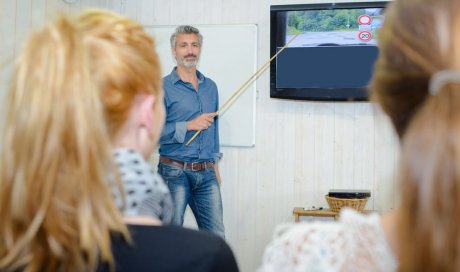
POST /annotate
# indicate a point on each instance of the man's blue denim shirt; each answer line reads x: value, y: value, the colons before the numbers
x: 183, y: 104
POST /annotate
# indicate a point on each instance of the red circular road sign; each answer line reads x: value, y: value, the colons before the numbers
x: 364, y: 19
x: 365, y: 36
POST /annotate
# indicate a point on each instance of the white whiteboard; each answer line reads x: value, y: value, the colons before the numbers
x: 229, y: 57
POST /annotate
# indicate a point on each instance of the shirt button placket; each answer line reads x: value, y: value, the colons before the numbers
x: 200, y: 138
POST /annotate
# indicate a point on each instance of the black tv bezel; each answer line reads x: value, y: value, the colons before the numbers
x: 313, y: 94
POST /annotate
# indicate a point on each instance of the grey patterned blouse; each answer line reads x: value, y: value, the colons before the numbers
x: 145, y: 191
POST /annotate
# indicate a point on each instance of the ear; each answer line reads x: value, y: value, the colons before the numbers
x: 146, y: 111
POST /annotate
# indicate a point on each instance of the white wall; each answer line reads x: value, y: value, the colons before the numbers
x: 302, y: 148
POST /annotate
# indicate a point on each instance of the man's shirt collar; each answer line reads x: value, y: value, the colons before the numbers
x: 175, y: 77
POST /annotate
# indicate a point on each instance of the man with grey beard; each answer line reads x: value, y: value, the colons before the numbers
x: 191, y: 101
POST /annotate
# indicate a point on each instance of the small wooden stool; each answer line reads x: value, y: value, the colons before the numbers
x: 298, y: 211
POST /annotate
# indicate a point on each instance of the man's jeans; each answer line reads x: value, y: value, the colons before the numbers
x: 200, y: 190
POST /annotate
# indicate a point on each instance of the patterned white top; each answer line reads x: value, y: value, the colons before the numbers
x: 355, y: 243
x: 145, y: 191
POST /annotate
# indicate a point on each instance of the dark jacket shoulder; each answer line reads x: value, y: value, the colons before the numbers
x: 172, y: 248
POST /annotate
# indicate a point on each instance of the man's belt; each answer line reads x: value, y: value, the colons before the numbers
x: 194, y: 166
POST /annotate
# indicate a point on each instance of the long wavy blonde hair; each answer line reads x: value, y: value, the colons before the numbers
x: 71, y: 90
x: 419, y: 39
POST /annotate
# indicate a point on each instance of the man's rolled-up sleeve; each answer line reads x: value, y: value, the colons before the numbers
x: 173, y: 133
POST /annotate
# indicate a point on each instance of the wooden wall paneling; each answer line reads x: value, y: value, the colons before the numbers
x: 104, y: 4
x: 344, y: 120
x: 255, y: 9
x: 364, y: 150
x: 213, y: 12
x: 38, y: 14
x: 385, y: 170
x: 180, y: 13
x: 263, y: 48
x: 246, y: 208
x: 7, y: 46
x: 22, y: 22
x: 228, y: 168
x: 324, y: 150
x: 195, y: 12
x: 162, y: 12
x: 266, y: 195
x: 84, y: 5
x: 247, y: 12
x: 115, y: 6
x: 57, y: 7
x: 147, y: 15
x: 304, y: 171
x: 129, y: 8
x: 98, y: 4
x: 233, y: 11
x: 263, y: 25
x: 285, y: 160
x: 8, y: 19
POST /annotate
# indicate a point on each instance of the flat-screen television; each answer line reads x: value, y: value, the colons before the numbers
x: 332, y: 58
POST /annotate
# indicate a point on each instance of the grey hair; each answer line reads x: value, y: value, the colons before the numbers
x: 185, y: 29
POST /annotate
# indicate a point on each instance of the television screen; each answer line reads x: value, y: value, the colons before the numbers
x: 333, y: 55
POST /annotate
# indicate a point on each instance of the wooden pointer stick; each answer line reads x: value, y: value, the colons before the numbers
x: 245, y: 84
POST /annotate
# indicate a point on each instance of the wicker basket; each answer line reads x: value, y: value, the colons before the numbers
x: 335, y: 204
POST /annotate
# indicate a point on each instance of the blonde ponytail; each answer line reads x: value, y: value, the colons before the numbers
x: 71, y: 90
x: 430, y: 182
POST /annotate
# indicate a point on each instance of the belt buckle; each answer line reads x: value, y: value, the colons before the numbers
x: 197, y: 164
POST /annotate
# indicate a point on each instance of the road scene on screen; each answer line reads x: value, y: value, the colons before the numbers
x: 334, y: 27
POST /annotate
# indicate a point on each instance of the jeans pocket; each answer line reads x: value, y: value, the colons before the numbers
x: 169, y: 171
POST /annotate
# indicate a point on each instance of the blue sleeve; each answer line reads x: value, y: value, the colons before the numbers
x: 173, y: 132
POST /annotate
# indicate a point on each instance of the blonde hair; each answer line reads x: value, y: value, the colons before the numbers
x: 417, y: 41
x: 71, y: 91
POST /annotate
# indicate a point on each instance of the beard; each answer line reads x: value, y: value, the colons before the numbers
x: 188, y: 63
